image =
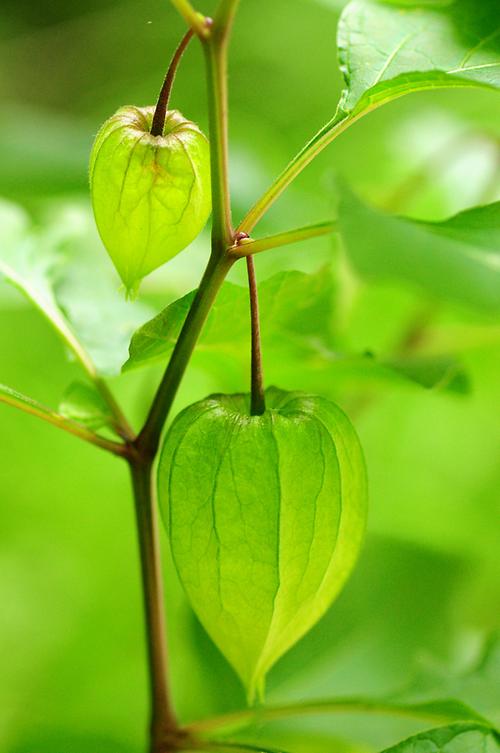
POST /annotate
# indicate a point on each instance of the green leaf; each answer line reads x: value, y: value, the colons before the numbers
x: 265, y: 515
x: 457, y: 260
x: 31, y: 267
x: 60, y: 270
x: 84, y: 404
x: 294, y: 303
x: 388, y: 50
x: 457, y: 738
x: 297, y: 311
x: 432, y: 372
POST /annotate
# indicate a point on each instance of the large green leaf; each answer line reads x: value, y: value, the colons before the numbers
x: 297, y: 312
x: 32, y: 265
x: 389, y: 49
x: 61, y: 270
x: 457, y: 260
x: 457, y: 738
x: 294, y: 303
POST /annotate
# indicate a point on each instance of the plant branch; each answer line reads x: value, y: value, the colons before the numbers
x: 164, y: 726
x: 164, y: 729
x: 258, y: 400
x: 247, y: 247
x: 162, y: 105
x: 65, y: 332
x: 194, y: 19
x: 222, y: 234
x: 240, y: 719
x: 216, y: 47
x: 34, y: 408
x: 322, y: 139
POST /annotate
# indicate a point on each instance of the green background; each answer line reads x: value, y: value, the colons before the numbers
x: 424, y: 598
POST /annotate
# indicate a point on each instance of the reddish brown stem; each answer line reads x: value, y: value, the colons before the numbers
x: 164, y: 98
x: 258, y: 402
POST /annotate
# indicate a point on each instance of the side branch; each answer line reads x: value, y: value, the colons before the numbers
x: 34, y: 408
x: 194, y: 19
x: 322, y: 139
x: 249, y: 246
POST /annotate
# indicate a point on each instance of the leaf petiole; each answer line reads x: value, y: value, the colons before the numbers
x: 437, y: 711
x: 247, y: 247
x: 339, y: 123
x: 34, y: 408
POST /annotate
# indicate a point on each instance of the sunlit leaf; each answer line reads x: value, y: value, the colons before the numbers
x: 60, y: 270
x: 389, y: 49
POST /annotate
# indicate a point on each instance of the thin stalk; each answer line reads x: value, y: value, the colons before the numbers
x: 163, y: 724
x: 32, y: 407
x: 194, y: 19
x: 322, y: 139
x: 223, y: 745
x: 241, y: 719
x: 215, y: 273
x: 258, y: 400
x: 246, y: 247
x: 162, y: 105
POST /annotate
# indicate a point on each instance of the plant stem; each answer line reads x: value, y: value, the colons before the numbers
x: 258, y: 400
x: 162, y: 105
x: 34, y: 408
x: 216, y: 47
x: 249, y: 247
x: 65, y: 332
x: 339, y: 123
x: 146, y: 445
x: 192, y: 17
x: 163, y: 721
x: 222, y: 233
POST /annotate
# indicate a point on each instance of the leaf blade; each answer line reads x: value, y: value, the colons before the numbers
x: 456, y: 260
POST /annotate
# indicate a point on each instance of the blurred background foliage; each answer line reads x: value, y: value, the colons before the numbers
x: 419, y: 613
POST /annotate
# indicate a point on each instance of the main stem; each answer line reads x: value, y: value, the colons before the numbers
x: 165, y: 733
x: 163, y: 723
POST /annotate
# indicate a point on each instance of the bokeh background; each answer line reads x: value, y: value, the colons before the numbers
x: 422, y: 608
